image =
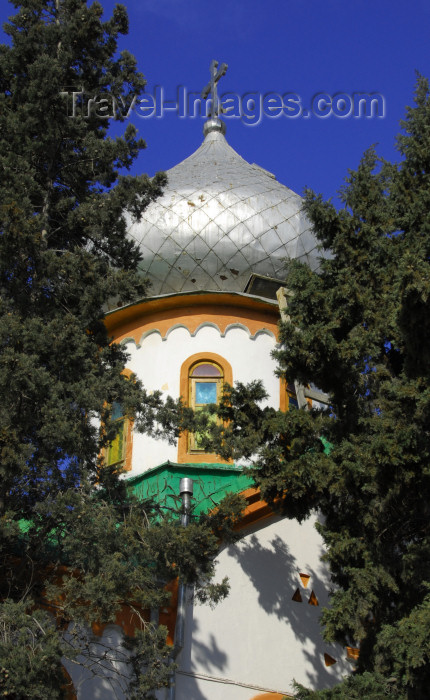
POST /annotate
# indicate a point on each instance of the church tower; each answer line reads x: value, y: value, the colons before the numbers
x: 213, y: 247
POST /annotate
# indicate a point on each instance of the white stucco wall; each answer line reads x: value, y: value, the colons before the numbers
x: 101, y: 673
x: 258, y: 639
x: 158, y: 364
x: 259, y: 636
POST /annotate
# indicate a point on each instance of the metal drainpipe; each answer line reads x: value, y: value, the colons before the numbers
x: 186, y: 491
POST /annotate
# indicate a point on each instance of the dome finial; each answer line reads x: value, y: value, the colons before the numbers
x: 214, y: 123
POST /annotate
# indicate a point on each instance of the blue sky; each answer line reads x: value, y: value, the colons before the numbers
x: 282, y: 46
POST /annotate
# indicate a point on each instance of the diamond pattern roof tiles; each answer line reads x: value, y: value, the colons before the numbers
x: 219, y: 220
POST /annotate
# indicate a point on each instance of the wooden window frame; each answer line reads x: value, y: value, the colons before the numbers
x: 192, y: 386
x: 124, y: 464
x: 284, y: 404
x: 185, y: 454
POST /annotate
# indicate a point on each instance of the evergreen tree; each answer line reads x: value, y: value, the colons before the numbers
x: 359, y: 330
x: 70, y: 532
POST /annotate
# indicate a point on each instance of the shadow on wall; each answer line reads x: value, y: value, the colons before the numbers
x: 274, y: 573
x: 236, y: 648
x: 209, y: 656
x: 100, y: 672
x: 294, y: 596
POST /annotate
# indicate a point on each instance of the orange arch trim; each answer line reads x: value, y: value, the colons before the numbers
x: 191, y: 310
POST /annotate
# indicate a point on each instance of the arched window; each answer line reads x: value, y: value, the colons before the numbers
x: 202, y: 378
x: 205, y: 388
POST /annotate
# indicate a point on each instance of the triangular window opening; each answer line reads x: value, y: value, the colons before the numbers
x: 329, y: 660
x: 313, y: 600
x: 297, y: 597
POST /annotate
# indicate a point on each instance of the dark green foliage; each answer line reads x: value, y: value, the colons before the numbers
x: 150, y: 652
x: 360, y: 331
x: 30, y: 654
x: 63, y: 255
x: 365, y: 686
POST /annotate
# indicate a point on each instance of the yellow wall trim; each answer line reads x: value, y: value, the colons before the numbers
x: 191, y: 311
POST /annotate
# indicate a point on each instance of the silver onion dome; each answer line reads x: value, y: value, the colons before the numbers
x: 219, y: 221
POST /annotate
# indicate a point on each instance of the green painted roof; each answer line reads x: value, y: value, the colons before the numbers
x: 211, y: 483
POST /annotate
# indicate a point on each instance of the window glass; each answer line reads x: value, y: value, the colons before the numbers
x: 116, y: 450
x: 292, y: 402
x: 204, y: 369
x: 205, y: 386
x: 116, y: 411
x: 206, y: 392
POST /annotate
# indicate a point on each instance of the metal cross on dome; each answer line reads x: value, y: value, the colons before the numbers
x: 211, y: 87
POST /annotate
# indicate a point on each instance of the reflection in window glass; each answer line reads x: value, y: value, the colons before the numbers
x: 204, y: 369
x: 206, y: 392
